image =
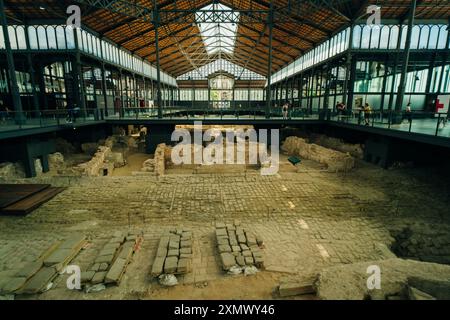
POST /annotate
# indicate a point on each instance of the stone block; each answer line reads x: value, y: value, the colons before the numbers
x: 164, y: 242
x: 158, y: 266
x: 259, y: 240
x: 174, y: 245
x: 251, y: 240
x: 224, y: 248
x: 171, y: 265
x: 60, y: 256
x: 162, y: 252
x: 30, y: 269
x: 186, y: 251
x: 221, y: 232
x: 236, y: 248
x: 73, y: 242
x: 183, y: 266
x: 289, y: 289
x: 173, y: 253
x: 105, y: 259
x: 87, y: 276
x: 116, y: 272
x: 14, y: 284
x: 223, y: 242
x: 249, y: 261
x: 107, y: 252
x: 242, y: 238
x: 127, y: 250
x: 416, y: 294
x: 186, y: 244
x: 228, y: 261
x: 240, y: 260
x: 220, y: 225
x: 99, y: 277
x: 247, y: 253
x: 185, y: 256
x: 40, y: 280
x: 244, y: 247
x: 103, y: 267
x: 95, y: 267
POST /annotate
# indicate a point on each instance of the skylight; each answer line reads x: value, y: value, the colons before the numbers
x: 217, y: 36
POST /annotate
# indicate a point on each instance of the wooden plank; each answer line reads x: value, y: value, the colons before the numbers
x: 31, y: 203
x: 12, y: 193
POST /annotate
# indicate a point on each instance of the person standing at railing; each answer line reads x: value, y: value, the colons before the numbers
x: 367, y: 113
x: 341, y: 108
x: 409, y: 113
x: 4, y: 112
x: 285, y: 111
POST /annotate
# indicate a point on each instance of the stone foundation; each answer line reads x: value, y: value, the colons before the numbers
x: 335, y: 161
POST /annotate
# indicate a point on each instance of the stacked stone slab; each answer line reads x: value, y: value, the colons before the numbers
x: 174, y: 254
x: 36, y: 275
x: 112, y: 260
x: 238, y: 247
x: 335, y: 161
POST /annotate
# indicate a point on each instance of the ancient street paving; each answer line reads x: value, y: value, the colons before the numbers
x: 308, y: 220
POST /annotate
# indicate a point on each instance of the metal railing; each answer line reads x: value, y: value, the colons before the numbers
x: 428, y: 123
x: 10, y: 120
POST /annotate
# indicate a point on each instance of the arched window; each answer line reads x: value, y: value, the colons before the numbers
x: 42, y: 36
x: 442, y: 40
x: 2, y: 39
x: 356, y: 37
x: 21, y: 40
x: 423, y: 40
x: 375, y: 37
x: 61, y: 37
x: 434, y: 33
x: 70, y: 38
x: 384, y: 37
x: 415, y: 37
x: 365, y: 38
x: 51, y: 36
x: 393, y: 37
x: 12, y: 37
x: 32, y: 38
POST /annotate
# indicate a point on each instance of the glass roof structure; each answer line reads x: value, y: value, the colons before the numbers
x: 224, y: 66
x: 217, y: 36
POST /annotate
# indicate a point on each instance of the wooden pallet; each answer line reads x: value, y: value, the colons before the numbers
x: 12, y: 193
x: 27, y: 205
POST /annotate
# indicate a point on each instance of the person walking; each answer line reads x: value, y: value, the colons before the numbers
x: 367, y: 113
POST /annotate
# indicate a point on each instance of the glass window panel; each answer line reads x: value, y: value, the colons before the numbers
x: 415, y: 37
x: 384, y: 37
x: 2, y: 42
x: 51, y: 36
x: 42, y: 36
x: 12, y: 37
x: 424, y: 34
x: 365, y: 37
x: 434, y: 33
x: 442, y: 40
x: 21, y: 41
x: 393, y: 37
x: 356, y: 36
x: 375, y: 37
x: 60, y: 37
x: 32, y: 38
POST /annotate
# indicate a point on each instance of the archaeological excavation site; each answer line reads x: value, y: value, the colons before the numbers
x: 260, y: 150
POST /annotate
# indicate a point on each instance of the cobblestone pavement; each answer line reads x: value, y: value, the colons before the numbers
x: 308, y: 220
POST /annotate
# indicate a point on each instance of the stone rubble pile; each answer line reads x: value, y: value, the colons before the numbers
x: 111, y: 262
x: 9, y: 170
x: 36, y: 276
x: 157, y: 165
x: 95, y: 166
x: 335, y: 161
x: 355, y: 150
x: 238, y: 247
x: 174, y: 254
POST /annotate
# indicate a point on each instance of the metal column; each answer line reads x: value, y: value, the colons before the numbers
x: 17, y: 103
x: 158, y: 68
x: 269, y: 73
x: 402, y: 85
